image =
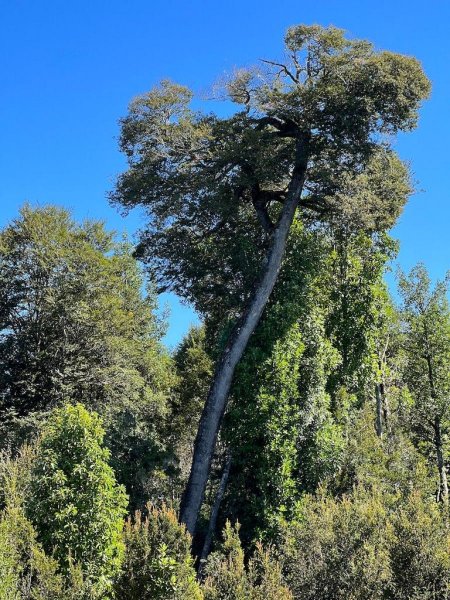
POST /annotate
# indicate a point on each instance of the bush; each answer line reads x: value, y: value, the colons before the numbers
x: 362, y: 546
x: 158, y: 563
x: 229, y: 579
x: 25, y: 571
x: 338, y: 549
x: 75, y: 502
x: 420, y: 555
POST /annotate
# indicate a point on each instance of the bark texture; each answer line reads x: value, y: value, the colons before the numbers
x: 382, y: 417
x: 379, y: 419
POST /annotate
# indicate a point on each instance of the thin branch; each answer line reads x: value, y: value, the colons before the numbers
x: 298, y: 67
x: 283, y: 69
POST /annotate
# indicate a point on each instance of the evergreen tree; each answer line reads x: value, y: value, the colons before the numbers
x: 75, y: 503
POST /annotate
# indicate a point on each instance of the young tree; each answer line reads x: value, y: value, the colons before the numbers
x: 222, y: 193
x: 26, y: 572
x: 194, y: 369
x: 385, y: 352
x: 355, y: 279
x: 75, y: 503
x: 426, y: 320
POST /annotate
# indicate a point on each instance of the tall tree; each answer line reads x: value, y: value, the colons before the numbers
x: 311, y: 362
x: 304, y: 128
x: 426, y: 320
x: 75, y: 325
x: 360, y: 316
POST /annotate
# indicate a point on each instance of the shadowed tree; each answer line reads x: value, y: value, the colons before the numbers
x: 222, y: 193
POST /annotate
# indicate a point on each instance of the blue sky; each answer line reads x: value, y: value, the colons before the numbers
x: 69, y: 69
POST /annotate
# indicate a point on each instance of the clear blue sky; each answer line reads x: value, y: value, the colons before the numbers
x: 68, y: 70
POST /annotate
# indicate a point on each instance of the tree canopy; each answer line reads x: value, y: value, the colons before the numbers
x: 213, y: 186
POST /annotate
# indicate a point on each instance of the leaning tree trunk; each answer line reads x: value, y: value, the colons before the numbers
x: 386, y: 411
x: 213, y: 517
x: 218, y: 394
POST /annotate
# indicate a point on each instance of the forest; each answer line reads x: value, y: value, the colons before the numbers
x: 295, y: 444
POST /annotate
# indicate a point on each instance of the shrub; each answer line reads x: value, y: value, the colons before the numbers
x: 339, y: 549
x: 158, y: 563
x: 75, y: 502
x: 229, y: 579
x: 364, y: 546
x: 420, y: 554
x: 25, y: 570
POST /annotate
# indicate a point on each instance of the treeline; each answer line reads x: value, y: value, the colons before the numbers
x: 327, y: 455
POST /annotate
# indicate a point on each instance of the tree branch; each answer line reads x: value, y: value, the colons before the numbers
x: 283, y: 68
x: 286, y: 129
x: 258, y: 200
x: 262, y: 213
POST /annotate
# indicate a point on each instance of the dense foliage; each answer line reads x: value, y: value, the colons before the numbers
x: 77, y: 506
x: 329, y: 479
x: 75, y: 325
x: 158, y: 562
